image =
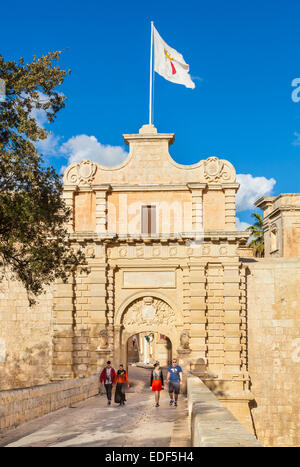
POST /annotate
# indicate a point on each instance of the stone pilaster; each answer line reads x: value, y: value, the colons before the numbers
x: 68, y: 197
x: 215, y: 312
x: 198, y: 313
x: 117, y: 343
x: 197, y: 206
x: 110, y: 308
x: 186, y: 299
x: 230, y: 192
x: 81, y: 353
x: 232, y: 320
x: 101, y: 208
x: 243, y: 301
x: 97, y: 310
x: 62, y: 366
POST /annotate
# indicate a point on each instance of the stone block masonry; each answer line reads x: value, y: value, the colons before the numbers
x: 25, y: 336
x: 274, y: 349
x: 22, y: 405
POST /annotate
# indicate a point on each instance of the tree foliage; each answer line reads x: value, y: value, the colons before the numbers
x: 256, y: 240
x: 33, y: 239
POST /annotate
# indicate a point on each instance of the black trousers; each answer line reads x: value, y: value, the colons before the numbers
x: 108, y: 388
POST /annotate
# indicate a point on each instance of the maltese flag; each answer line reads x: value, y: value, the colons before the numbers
x: 169, y: 63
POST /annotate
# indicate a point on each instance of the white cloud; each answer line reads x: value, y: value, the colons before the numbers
x: 251, y: 189
x: 88, y: 147
x: 241, y: 225
x: 78, y: 147
x: 297, y: 141
x: 48, y: 146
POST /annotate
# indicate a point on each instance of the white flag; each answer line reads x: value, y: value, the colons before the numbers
x: 169, y: 63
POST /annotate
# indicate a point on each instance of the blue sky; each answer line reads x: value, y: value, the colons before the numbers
x: 243, y: 54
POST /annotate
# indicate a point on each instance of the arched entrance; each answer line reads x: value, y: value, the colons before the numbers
x: 155, y: 325
x: 149, y: 347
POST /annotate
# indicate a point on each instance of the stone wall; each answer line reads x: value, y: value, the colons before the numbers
x: 212, y: 425
x: 21, y: 405
x: 274, y: 349
x: 25, y: 336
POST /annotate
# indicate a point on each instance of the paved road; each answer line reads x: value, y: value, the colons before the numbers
x: 93, y: 423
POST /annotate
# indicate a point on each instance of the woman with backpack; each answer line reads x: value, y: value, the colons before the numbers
x: 157, y: 382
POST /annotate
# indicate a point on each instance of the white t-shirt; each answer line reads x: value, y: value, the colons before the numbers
x: 108, y: 376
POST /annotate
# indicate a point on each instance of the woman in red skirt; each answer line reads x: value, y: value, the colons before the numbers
x: 157, y: 382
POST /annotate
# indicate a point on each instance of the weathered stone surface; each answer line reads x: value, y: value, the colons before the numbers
x: 212, y: 425
x: 17, y: 407
x: 274, y: 349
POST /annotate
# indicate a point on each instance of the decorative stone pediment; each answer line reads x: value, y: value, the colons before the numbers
x: 149, y: 162
x: 80, y: 173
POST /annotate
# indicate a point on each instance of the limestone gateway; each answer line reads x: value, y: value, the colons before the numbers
x: 169, y: 275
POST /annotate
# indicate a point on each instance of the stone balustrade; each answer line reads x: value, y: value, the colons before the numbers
x: 21, y: 405
x: 212, y: 425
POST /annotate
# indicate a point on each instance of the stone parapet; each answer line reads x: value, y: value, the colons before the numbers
x: 21, y: 405
x: 212, y: 425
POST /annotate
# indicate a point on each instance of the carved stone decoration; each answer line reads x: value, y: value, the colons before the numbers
x: 185, y: 340
x: 103, y: 339
x: 213, y: 168
x: 81, y: 173
x: 217, y: 170
x: 149, y: 310
x: 90, y: 252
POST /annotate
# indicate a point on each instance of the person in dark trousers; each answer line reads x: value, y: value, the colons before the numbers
x: 108, y: 377
x: 174, y: 381
x: 157, y: 382
x: 122, y: 381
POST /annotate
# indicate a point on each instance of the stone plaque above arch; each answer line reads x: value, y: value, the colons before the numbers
x: 149, y: 279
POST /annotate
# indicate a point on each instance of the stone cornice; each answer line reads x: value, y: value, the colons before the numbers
x: 152, y: 187
x: 213, y: 236
x: 170, y: 137
x: 277, y: 212
x: 197, y: 186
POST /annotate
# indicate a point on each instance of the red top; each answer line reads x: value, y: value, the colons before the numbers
x: 112, y: 375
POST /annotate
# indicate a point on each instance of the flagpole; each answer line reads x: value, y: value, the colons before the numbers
x: 151, y: 75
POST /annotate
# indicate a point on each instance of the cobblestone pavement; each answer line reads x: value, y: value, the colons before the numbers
x: 93, y: 423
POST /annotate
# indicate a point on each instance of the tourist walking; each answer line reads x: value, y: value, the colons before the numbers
x: 174, y: 381
x: 108, y: 377
x: 157, y: 382
x: 122, y: 381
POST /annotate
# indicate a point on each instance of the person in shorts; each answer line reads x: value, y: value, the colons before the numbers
x: 174, y: 381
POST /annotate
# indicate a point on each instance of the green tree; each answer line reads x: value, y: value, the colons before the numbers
x: 33, y: 240
x: 256, y: 241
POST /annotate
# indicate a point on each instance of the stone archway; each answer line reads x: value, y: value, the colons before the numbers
x: 146, y: 314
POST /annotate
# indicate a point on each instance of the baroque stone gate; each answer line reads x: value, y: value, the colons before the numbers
x: 163, y: 255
